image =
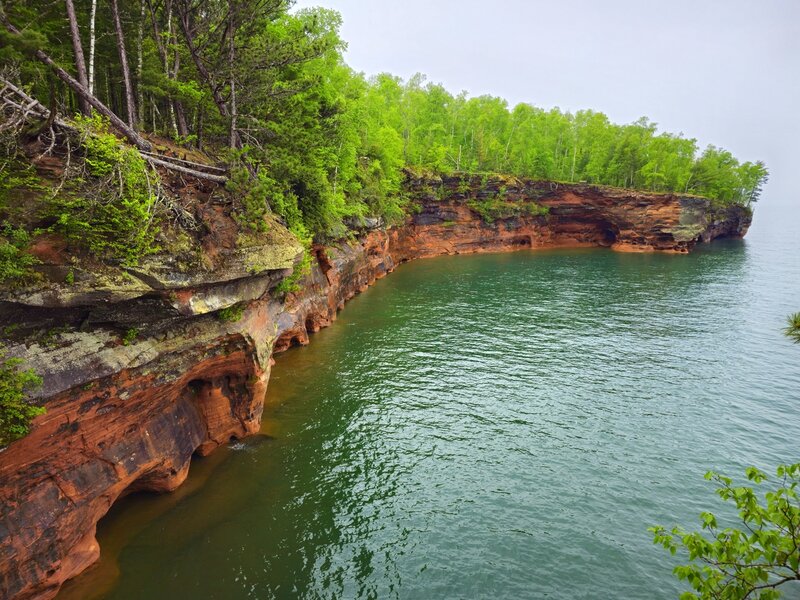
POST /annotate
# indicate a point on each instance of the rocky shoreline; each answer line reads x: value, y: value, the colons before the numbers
x: 144, y: 368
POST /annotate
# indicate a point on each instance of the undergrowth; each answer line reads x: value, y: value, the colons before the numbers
x: 495, y: 208
x: 15, y: 262
x: 291, y: 284
x: 231, y: 314
x: 109, y: 208
x: 16, y: 413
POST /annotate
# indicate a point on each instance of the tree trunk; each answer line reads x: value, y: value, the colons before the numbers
x: 186, y: 28
x: 177, y: 112
x: 180, y: 119
x: 231, y: 62
x: 80, y: 62
x: 574, y: 156
x: 199, y: 128
x: 508, y: 144
x: 180, y: 113
x: 83, y: 92
x: 139, y: 64
x: 92, y: 20
x: 130, y: 103
x: 165, y: 57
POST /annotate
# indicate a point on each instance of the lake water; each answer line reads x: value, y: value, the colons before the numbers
x: 492, y: 426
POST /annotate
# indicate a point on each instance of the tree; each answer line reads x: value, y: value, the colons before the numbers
x: 92, y: 44
x: 793, y: 328
x: 752, y: 562
x: 77, y: 48
x: 130, y: 103
x: 80, y: 90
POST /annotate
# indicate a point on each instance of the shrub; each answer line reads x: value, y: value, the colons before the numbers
x: 751, y: 562
x: 251, y: 193
x: 15, y: 262
x: 793, y: 327
x: 231, y: 314
x: 130, y: 336
x: 495, y: 208
x: 291, y: 284
x: 16, y: 413
x: 111, y: 212
x: 16, y: 174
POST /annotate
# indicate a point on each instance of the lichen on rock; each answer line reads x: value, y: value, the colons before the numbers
x: 128, y: 417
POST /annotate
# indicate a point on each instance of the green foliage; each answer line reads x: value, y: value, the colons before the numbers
x: 793, y: 327
x: 251, y: 193
x: 447, y: 133
x: 316, y: 143
x: 16, y: 413
x: 103, y: 150
x: 130, y: 336
x: 752, y: 562
x: 231, y: 314
x: 15, y: 262
x: 111, y: 212
x: 291, y: 284
x: 16, y: 175
x: 50, y: 337
x: 492, y: 209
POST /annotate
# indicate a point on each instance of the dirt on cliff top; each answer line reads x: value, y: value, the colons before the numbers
x: 197, y: 220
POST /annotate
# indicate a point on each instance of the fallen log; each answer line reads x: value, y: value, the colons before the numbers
x: 198, y: 166
x: 193, y: 172
x: 33, y: 106
x: 136, y: 139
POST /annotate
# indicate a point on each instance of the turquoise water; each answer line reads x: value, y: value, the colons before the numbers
x: 493, y: 426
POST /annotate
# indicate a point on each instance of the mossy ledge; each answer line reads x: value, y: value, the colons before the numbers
x: 127, y: 412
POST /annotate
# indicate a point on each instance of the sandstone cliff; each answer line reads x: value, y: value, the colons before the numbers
x: 145, y: 367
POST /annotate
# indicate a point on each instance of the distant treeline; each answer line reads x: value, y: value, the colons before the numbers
x: 308, y: 138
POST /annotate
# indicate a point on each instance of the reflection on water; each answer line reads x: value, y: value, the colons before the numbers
x: 488, y: 426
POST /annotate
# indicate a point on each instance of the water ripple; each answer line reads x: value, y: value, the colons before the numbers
x: 498, y: 426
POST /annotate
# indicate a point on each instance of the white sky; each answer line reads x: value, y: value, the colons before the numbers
x: 726, y: 72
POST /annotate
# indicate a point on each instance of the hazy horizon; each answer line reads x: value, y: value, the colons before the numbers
x: 723, y: 72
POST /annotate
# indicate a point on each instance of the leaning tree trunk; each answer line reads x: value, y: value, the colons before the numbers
x: 222, y: 106
x: 83, y: 92
x: 130, y: 102
x: 80, y: 62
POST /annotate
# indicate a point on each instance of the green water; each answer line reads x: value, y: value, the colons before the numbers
x: 495, y: 426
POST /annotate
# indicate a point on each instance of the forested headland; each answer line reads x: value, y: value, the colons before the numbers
x: 248, y: 93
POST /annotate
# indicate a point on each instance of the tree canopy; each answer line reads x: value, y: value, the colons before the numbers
x: 317, y: 142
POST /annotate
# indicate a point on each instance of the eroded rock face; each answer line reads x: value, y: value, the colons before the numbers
x: 126, y: 411
x: 578, y: 215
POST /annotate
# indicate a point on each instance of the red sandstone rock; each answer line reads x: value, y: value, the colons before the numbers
x: 129, y: 418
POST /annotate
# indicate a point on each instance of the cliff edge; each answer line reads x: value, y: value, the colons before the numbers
x: 144, y: 367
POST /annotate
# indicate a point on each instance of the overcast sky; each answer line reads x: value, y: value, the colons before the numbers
x: 726, y: 72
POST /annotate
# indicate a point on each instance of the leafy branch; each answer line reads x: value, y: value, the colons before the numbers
x: 752, y: 562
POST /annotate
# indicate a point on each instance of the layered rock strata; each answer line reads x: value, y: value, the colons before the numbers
x: 144, y: 370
